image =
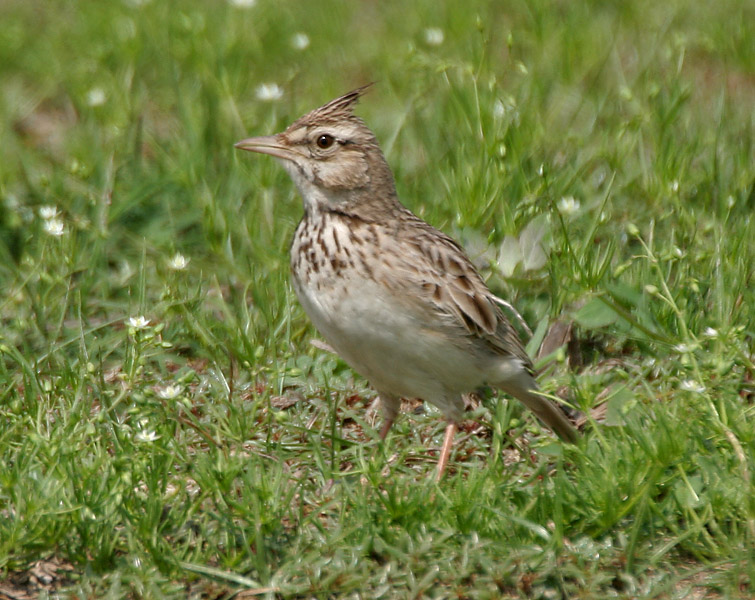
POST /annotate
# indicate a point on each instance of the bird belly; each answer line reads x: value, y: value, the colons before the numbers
x: 386, y: 344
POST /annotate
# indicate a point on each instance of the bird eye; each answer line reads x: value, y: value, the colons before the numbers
x: 325, y: 141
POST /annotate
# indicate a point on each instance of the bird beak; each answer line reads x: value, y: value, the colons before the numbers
x: 266, y: 144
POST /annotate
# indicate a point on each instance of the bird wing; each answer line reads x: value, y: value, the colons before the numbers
x: 443, y: 276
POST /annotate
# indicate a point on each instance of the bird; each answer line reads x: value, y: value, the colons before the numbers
x: 395, y: 297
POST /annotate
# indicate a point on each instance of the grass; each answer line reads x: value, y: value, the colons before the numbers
x: 595, y: 158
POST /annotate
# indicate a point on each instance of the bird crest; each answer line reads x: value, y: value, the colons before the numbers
x: 342, y: 108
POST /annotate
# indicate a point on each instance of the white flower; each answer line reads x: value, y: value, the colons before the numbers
x: 568, y: 205
x: 169, y: 392
x: 96, y: 97
x: 269, y: 92
x: 48, y: 212
x: 300, y: 41
x: 178, y: 262
x: 243, y: 3
x: 683, y: 348
x: 710, y: 332
x: 144, y: 434
x: 433, y: 36
x: 499, y: 110
x: 139, y: 322
x: 690, y: 385
x: 675, y: 186
x: 54, y: 227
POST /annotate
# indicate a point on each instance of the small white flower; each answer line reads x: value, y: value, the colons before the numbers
x: 568, y: 205
x: 243, y: 3
x: 54, y: 227
x: 434, y: 36
x: 169, y: 392
x: 499, y: 110
x: 48, y: 212
x: 144, y: 434
x: 675, y: 186
x: 269, y: 92
x: 690, y: 385
x: 710, y: 332
x: 683, y: 348
x: 300, y: 41
x: 178, y: 262
x: 139, y: 322
x: 96, y: 97
x: 730, y: 201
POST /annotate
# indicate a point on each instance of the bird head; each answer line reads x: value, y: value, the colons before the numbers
x: 331, y: 155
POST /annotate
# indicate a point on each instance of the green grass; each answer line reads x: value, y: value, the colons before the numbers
x: 216, y: 450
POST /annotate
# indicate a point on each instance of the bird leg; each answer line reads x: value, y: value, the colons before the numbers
x: 386, y: 428
x: 445, y: 451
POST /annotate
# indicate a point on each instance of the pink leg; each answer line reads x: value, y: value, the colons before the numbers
x: 445, y: 451
x: 385, y: 428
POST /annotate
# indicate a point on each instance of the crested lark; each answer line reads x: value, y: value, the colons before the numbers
x: 395, y: 297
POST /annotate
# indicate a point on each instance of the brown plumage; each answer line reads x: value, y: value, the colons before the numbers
x: 396, y: 298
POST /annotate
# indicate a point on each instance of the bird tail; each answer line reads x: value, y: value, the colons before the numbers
x: 524, y: 389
